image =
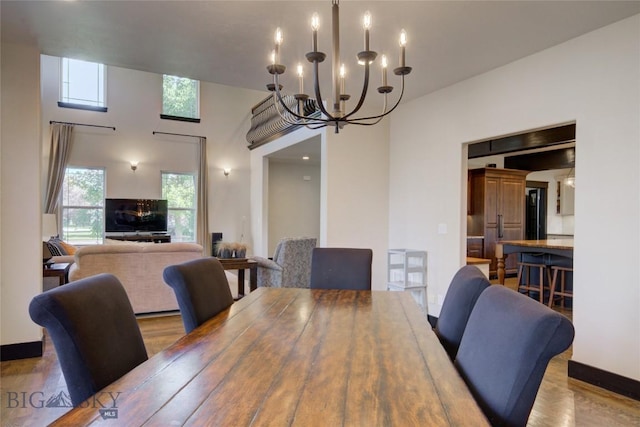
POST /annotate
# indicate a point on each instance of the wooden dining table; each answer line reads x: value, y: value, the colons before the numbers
x: 301, y: 357
x: 561, y: 247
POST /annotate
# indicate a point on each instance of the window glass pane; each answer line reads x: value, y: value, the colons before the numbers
x: 82, y: 82
x: 82, y: 206
x: 180, y: 97
x: 180, y: 191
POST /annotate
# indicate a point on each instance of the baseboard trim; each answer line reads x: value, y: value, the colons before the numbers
x: 23, y: 350
x: 607, y: 380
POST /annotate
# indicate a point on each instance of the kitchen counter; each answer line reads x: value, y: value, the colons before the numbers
x: 562, y: 247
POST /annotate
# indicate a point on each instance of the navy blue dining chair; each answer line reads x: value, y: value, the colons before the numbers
x: 506, y: 347
x: 465, y: 288
x: 94, y: 331
x: 201, y: 288
x: 341, y: 268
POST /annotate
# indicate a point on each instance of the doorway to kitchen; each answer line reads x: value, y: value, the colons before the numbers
x: 520, y: 187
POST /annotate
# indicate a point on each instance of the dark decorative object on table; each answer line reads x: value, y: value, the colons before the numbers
x: 230, y: 250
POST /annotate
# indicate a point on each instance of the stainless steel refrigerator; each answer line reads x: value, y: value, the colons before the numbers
x: 536, y: 214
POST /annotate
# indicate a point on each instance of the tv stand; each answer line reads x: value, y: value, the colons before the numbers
x: 154, y: 237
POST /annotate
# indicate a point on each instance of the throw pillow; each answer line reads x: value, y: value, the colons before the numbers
x: 53, y: 249
x: 69, y: 248
x: 57, y: 243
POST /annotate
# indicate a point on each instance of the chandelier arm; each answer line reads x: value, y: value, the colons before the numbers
x: 316, y: 84
x: 284, y: 105
x: 363, y: 95
x: 293, y: 123
x: 380, y: 116
x: 384, y: 113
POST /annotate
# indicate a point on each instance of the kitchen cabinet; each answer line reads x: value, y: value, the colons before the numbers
x: 475, y: 246
x: 498, y: 210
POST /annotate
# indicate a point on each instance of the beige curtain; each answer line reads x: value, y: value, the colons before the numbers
x: 202, y: 215
x: 61, y: 143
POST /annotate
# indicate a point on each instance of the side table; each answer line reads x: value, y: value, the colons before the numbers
x: 242, y: 264
x: 59, y: 270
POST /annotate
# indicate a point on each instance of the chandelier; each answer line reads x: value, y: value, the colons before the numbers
x: 338, y: 117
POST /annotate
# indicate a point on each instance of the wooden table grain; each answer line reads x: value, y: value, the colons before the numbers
x: 301, y: 357
x: 562, y: 247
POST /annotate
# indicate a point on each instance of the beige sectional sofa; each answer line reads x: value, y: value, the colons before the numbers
x: 139, y: 267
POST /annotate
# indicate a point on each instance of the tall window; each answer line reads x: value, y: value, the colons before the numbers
x: 82, y: 85
x: 83, y: 205
x: 180, y: 191
x: 180, y: 98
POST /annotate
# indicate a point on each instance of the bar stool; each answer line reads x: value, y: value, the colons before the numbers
x: 527, y: 286
x: 562, y: 293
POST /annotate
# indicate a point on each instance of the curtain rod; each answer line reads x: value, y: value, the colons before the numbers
x: 179, y: 134
x: 82, y: 124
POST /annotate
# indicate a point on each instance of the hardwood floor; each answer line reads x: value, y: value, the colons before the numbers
x: 27, y: 384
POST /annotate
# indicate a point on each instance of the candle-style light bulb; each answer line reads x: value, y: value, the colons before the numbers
x: 366, y: 25
x: 383, y: 62
x: 315, y: 24
x: 403, y: 44
x: 278, y: 40
x: 278, y: 36
x: 300, y: 78
x: 343, y: 74
x: 273, y: 57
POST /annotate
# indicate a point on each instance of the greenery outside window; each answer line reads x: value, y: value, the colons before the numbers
x: 179, y: 189
x: 82, y: 85
x: 83, y: 205
x: 180, y: 99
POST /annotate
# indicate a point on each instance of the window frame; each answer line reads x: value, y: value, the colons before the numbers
x: 193, y: 209
x: 165, y: 116
x: 64, y: 80
x: 63, y: 233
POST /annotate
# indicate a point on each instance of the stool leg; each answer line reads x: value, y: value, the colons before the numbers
x: 562, y: 276
x: 519, y: 276
x: 552, y: 289
x: 541, y: 284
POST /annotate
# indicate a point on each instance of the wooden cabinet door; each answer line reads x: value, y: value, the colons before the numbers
x: 512, y: 203
x: 513, y: 215
x: 491, y: 202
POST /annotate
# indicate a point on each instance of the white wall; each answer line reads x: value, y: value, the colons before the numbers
x: 134, y: 104
x: 356, y: 165
x: 592, y: 80
x: 294, y: 202
x: 21, y: 211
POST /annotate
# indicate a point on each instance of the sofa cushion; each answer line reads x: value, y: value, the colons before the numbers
x: 139, y: 268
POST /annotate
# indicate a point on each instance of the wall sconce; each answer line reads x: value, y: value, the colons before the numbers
x: 134, y: 165
x: 226, y: 171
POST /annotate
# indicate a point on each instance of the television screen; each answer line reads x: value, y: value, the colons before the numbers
x: 132, y: 215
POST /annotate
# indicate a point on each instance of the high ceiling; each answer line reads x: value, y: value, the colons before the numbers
x: 229, y: 42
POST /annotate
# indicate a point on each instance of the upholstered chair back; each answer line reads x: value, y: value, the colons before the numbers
x: 201, y: 288
x: 505, y: 350
x: 465, y: 288
x: 94, y: 332
x: 341, y: 268
x: 290, y: 266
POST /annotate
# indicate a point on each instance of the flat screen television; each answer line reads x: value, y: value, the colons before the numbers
x: 135, y: 215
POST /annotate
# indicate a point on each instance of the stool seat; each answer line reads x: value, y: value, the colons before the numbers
x: 527, y: 286
x: 562, y: 293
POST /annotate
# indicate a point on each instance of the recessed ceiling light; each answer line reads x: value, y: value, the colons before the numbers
x: 305, y: 157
